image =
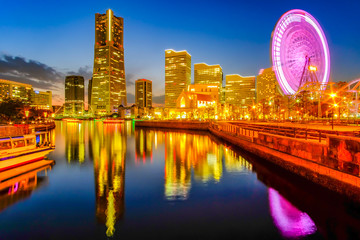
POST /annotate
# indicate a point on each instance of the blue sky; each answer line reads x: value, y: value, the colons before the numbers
x: 58, y: 37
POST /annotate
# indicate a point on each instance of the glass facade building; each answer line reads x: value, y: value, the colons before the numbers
x: 177, y: 75
x: 208, y: 74
x: 41, y: 100
x: 108, y: 84
x: 74, y: 95
x: 266, y: 85
x: 89, y: 94
x: 15, y: 90
x: 239, y: 90
x: 143, y: 93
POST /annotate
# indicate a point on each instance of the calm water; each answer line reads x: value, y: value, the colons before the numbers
x: 112, y: 181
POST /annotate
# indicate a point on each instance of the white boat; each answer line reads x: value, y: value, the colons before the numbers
x: 21, y: 150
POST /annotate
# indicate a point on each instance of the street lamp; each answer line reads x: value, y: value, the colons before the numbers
x: 27, y: 115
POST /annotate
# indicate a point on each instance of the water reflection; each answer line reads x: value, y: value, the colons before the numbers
x: 108, y: 151
x: 291, y: 222
x: 74, y: 142
x: 18, y: 183
x: 185, y: 153
x: 144, y: 142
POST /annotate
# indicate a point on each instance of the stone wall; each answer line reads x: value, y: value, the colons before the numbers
x: 306, y: 149
x: 344, y: 154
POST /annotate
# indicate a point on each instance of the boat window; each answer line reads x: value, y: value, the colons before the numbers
x: 30, y: 141
x: 5, y: 145
x: 19, y: 143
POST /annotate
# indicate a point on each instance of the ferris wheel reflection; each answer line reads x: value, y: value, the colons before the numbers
x: 290, y: 221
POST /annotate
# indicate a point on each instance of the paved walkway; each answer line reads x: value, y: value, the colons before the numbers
x: 315, y: 126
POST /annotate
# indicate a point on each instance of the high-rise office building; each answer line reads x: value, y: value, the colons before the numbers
x: 239, y: 90
x: 143, y: 93
x: 74, y: 95
x: 89, y: 94
x: 108, y: 84
x: 15, y: 90
x: 41, y: 100
x: 208, y: 74
x: 266, y: 85
x: 177, y: 75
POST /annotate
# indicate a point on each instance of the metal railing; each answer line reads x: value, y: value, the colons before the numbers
x: 253, y: 130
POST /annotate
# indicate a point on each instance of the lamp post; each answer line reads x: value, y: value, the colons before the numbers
x: 27, y: 115
x: 45, y: 115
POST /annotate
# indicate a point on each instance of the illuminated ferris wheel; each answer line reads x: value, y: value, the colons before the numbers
x: 299, y: 52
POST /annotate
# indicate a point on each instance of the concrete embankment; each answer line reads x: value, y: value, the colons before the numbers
x: 333, y: 163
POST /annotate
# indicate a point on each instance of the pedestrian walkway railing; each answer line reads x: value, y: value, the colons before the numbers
x: 251, y: 131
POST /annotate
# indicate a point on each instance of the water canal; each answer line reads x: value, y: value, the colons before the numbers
x: 112, y: 181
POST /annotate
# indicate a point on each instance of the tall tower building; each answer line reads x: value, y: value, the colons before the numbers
x: 143, y: 93
x: 208, y: 74
x: 239, y: 90
x: 177, y: 75
x: 74, y: 95
x: 266, y: 85
x: 89, y: 94
x: 108, y: 84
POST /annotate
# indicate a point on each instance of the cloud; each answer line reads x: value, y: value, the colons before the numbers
x: 86, y: 72
x: 32, y: 72
x: 130, y: 79
x: 130, y: 98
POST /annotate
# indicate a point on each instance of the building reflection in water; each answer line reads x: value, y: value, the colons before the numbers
x: 186, y: 152
x: 74, y: 142
x: 291, y: 222
x: 108, y: 151
x: 144, y: 141
x: 17, y: 184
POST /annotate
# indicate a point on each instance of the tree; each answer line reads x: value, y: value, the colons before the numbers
x: 10, y: 109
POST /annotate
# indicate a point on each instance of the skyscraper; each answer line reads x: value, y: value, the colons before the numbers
x: 266, y: 85
x: 143, y: 93
x: 208, y: 74
x: 239, y: 90
x: 89, y: 94
x: 177, y: 75
x: 74, y: 95
x: 108, y: 84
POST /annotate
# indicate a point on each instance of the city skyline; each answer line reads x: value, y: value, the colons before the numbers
x: 239, y: 48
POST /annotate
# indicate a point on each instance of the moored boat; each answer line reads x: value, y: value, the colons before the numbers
x: 21, y: 150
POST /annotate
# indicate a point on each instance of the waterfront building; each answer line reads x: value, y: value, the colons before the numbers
x: 205, y: 89
x: 222, y: 94
x: 266, y: 85
x: 108, y: 84
x: 74, y: 95
x: 177, y: 75
x: 208, y: 74
x: 143, y: 93
x: 89, y: 94
x: 240, y: 91
x: 15, y: 90
x: 41, y: 100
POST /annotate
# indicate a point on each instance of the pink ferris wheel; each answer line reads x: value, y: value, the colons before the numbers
x: 299, y: 49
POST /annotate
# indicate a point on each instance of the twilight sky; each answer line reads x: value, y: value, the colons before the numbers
x: 43, y: 41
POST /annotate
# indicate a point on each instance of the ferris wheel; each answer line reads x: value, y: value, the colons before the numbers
x: 299, y: 52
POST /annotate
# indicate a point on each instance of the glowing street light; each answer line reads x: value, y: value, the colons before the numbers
x: 333, y: 95
x: 27, y: 115
x: 312, y: 68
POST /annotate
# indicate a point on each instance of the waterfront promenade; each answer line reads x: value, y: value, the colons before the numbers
x: 330, y: 158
